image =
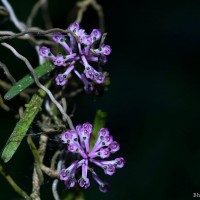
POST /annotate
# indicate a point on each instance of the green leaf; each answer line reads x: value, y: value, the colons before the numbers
x: 21, y: 128
x: 99, y: 122
x: 28, y: 80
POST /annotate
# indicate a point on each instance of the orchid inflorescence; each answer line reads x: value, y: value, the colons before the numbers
x: 78, y: 142
x: 80, y: 48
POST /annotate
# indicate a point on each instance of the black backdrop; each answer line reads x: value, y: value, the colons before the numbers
x: 153, y: 102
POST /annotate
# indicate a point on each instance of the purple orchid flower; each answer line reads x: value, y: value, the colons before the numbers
x: 78, y: 141
x: 79, y: 49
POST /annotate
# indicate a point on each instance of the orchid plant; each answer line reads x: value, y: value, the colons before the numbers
x: 76, y: 69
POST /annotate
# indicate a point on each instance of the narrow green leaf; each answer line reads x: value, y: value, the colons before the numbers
x: 99, y: 122
x: 21, y: 128
x: 28, y: 80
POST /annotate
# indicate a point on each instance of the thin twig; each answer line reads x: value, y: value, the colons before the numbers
x: 64, y: 104
x: 46, y: 16
x: 34, y: 12
x: 39, y: 84
x: 37, y: 178
x: 20, y: 111
x: 30, y: 38
x: 100, y: 13
x: 55, y: 183
x: 38, y: 33
x: 37, y: 158
x: 37, y: 172
x: 83, y: 7
x: 52, y: 112
x: 7, y: 73
x: 43, y: 4
x: 43, y: 146
x: 74, y: 93
x: 53, y: 159
x: 50, y: 172
x: 36, y: 186
x: 20, y: 25
x: 21, y: 192
x: 3, y: 105
x: 73, y: 110
x: 3, y: 11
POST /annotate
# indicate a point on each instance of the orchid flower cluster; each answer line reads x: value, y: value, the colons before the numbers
x: 79, y: 49
x: 78, y: 142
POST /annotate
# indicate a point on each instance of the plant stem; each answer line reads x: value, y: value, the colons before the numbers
x: 13, y: 184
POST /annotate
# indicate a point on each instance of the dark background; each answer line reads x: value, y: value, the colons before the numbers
x: 153, y: 102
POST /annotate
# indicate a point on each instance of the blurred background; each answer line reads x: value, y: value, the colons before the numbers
x: 153, y: 102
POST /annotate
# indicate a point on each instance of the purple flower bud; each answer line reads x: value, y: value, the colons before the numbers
x: 104, y: 139
x: 84, y: 132
x: 87, y: 128
x: 73, y: 148
x: 66, y: 173
x: 102, y: 153
x: 74, y: 27
x: 59, y: 60
x: 95, y: 35
x: 103, y: 132
x: 106, y: 49
x: 45, y: 52
x: 92, y: 58
x: 89, y: 88
x: 61, y: 79
x: 114, y: 147
x: 89, y: 72
x: 63, y: 174
x: 120, y: 162
x: 60, y: 39
x: 109, y: 169
x: 70, y: 136
x: 87, y: 42
x: 72, y: 41
x: 76, y: 148
x: 81, y: 34
x: 104, y: 59
x: 103, y: 186
x: 92, y: 74
x: 84, y: 181
x: 107, y: 140
x: 70, y: 182
x: 99, y: 77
